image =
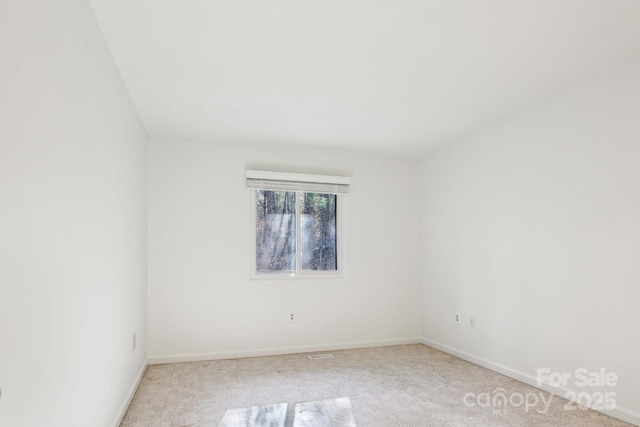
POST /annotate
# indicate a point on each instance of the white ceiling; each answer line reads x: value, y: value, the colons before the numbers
x: 398, y: 76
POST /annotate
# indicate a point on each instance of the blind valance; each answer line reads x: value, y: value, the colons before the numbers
x: 283, y: 181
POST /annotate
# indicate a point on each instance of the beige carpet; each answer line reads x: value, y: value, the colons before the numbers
x: 409, y: 385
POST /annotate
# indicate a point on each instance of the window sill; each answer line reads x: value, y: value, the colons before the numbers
x: 280, y: 276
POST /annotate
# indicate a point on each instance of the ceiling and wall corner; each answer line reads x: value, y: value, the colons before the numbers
x: 398, y: 77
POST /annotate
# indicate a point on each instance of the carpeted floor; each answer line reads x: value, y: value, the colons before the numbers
x: 408, y: 385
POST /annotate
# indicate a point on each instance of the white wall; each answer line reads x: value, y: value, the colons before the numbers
x: 202, y: 302
x: 533, y: 226
x: 72, y: 221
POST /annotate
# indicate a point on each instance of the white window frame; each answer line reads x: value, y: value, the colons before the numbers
x: 300, y: 179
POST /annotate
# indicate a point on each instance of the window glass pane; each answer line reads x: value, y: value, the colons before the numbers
x: 275, y: 231
x: 318, y: 232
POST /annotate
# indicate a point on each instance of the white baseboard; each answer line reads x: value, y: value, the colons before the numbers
x: 620, y: 413
x: 132, y: 392
x: 157, y: 360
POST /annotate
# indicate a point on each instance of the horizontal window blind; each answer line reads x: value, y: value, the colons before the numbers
x: 281, y: 181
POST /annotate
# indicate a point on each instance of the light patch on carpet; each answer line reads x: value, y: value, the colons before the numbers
x: 324, y: 413
x: 256, y: 416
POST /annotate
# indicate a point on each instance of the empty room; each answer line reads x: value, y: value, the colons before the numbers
x: 221, y: 213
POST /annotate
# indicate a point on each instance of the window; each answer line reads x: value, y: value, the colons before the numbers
x: 297, y: 223
x: 288, y: 221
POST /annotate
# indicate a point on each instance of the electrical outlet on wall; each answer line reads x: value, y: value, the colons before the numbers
x: 472, y: 322
x: 458, y: 318
x: 292, y: 317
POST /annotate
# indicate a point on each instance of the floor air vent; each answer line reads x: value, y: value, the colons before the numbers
x: 321, y: 356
